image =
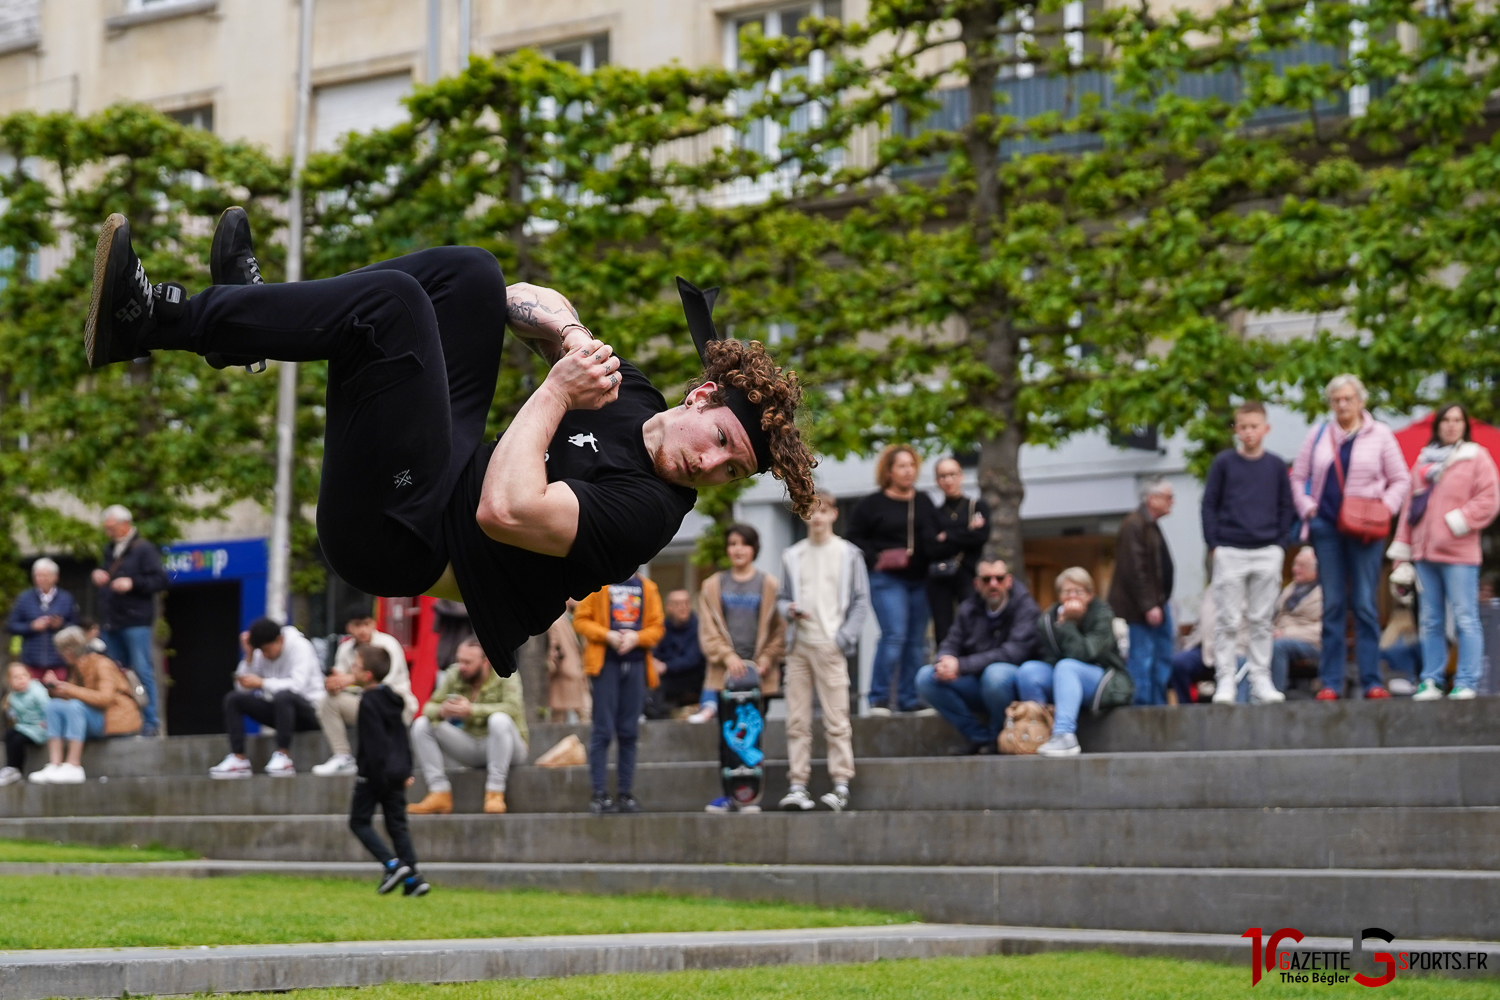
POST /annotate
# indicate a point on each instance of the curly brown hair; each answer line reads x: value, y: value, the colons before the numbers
x: 748, y: 367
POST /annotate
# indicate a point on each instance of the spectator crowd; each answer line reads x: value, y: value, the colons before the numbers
x: 1296, y: 549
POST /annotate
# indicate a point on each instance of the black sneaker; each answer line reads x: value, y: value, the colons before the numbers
x: 122, y: 304
x: 627, y: 804
x: 601, y: 804
x: 416, y: 886
x: 393, y: 877
x: 231, y: 261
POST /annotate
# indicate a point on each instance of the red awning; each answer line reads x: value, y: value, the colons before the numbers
x: 1414, y: 436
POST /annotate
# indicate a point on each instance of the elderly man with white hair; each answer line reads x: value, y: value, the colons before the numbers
x: 38, y: 615
x: 129, y: 577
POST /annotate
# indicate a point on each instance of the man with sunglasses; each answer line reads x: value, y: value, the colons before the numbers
x: 975, y: 671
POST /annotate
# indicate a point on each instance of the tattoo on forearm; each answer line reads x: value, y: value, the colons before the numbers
x: 527, y: 313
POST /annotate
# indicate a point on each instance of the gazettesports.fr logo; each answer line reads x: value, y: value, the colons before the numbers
x: 1303, y: 965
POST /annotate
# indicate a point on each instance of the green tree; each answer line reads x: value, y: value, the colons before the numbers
x: 171, y: 438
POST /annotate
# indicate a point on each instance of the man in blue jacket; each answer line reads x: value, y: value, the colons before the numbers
x: 129, y: 577
x: 975, y: 671
x: 38, y: 615
x: 679, y: 653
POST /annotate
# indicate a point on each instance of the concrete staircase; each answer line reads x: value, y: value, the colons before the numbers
x: 1210, y: 819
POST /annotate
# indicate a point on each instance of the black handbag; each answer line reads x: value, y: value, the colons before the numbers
x: 947, y: 569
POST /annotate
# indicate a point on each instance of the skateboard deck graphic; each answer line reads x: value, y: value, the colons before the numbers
x: 741, y: 723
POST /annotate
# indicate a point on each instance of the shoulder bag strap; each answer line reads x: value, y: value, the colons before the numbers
x: 1338, y: 466
x: 911, y: 526
x: 1307, y: 483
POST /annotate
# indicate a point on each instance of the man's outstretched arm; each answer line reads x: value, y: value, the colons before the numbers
x: 545, y: 320
x: 517, y: 505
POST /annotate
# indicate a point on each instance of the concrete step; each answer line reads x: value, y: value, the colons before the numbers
x: 1413, y: 905
x: 1437, y: 838
x: 99, y: 972
x: 660, y: 742
x: 1192, y: 728
x: 1433, y: 776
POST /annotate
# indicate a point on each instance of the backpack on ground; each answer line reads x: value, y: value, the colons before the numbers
x: 1028, y: 724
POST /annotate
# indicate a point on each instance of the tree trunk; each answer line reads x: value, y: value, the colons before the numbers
x: 991, y: 332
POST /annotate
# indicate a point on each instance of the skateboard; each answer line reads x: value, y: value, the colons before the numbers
x: 741, y: 722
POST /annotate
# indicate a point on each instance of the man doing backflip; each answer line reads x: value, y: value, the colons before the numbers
x: 592, y: 478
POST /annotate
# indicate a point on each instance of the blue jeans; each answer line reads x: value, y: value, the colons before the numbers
x: 72, y: 720
x: 1283, y: 652
x: 1067, y: 685
x: 1150, y: 662
x: 962, y: 699
x: 901, y: 609
x: 619, y: 693
x: 1187, y: 670
x: 1348, y: 572
x: 1404, y: 659
x: 1034, y: 682
x: 131, y: 647
x: 1455, y: 586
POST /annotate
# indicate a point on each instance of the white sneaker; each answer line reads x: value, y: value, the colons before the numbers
x: 923, y: 713
x: 1061, y: 745
x: 67, y: 774
x: 339, y: 763
x: 704, y: 714
x: 231, y: 767
x: 1400, y: 687
x: 1265, y: 694
x: 797, y: 798
x: 880, y: 712
x: 280, y: 766
x: 1224, y: 691
x: 1427, y: 691
x: 9, y: 776
x: 42, y: 776
x: 1463, y: 694
x: 838, y: 799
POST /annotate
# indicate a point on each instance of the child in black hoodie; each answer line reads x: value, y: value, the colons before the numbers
x: 384, y: 760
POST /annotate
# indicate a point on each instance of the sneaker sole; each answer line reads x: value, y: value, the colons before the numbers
x: 231, y: 775
x: 220, y: 246
x: 393, y: 880
x: 281, y: 774
x: 96, y: 329
x: 1074, y: 752
x: 796, y: 807
x: 420, y: 890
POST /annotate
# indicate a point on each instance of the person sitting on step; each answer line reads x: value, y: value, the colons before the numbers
x: 475, y: 718
x: 975, y: 671
x: 25, y: 708
x: 340, y: 707
x: 93, y: 703
x: 279, y: 684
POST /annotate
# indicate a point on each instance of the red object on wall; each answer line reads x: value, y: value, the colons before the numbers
x: 410, y: 620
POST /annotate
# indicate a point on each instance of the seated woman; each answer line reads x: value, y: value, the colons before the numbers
x: 1079, y: 661
x: 93, y: 703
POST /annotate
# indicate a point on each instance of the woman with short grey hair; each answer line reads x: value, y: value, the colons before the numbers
x: 1348, y: 481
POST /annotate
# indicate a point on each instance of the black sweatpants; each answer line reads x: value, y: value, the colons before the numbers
x: 413, y: 350
x: 287, y: 711
x: 391, y: 797
x: 16, y: 744
x: 619, y: 693
x: 944, y: 595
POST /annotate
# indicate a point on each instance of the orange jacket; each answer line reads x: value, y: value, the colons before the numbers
x: 591, y: 620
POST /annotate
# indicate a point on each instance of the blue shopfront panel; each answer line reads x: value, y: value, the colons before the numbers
x: 242, y: 561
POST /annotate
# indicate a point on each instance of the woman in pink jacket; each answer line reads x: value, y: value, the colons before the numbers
x: 1455, y: 494
x: 1348, y: 566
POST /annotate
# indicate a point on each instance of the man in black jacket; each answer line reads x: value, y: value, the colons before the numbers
x: 129, y: 578
x: 975, y: 672
x: 679, y: 653
x: 384, y: 762
x: 1141, y: 592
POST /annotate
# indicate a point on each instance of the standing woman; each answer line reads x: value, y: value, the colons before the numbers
x: 896, y: 528
x: 1348, y: 481
x: 1455, y: 494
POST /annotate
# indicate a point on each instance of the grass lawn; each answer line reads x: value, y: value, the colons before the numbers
x: 51, y: 911
x: 1084, y: 976
x: 47, y: 851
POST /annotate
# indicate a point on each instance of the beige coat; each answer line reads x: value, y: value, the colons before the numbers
x: 1305, y: 621
x: 713, y: 635
x: 101, y: 684
x: 567, y: 688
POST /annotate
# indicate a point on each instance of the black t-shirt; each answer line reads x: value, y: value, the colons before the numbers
x: 878, y: 523
x: 626, y: 515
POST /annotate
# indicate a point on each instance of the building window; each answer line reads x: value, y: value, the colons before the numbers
x: 764, y: 135
x: 588, y: 54
x: 199, y: 117
x: 20, y: 25
x: 360, y: 106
